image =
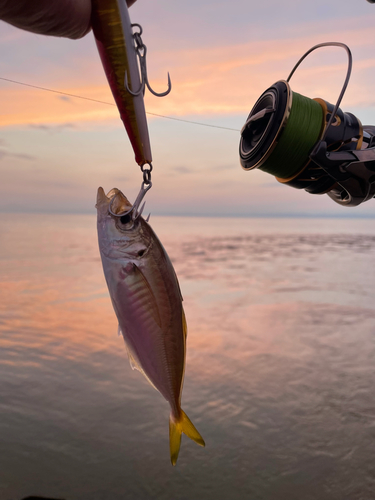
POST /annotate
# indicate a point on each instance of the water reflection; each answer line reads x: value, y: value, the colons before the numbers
x: 279, y: 377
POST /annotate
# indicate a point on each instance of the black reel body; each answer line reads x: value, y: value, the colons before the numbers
x: 310, y: 144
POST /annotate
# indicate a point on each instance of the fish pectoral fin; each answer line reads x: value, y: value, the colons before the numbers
x: 149, y: 297
x: 119, y: 332
x: 136, y: 366
x: 178, y: 426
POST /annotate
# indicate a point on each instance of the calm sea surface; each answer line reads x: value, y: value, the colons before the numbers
x: 280, y: 376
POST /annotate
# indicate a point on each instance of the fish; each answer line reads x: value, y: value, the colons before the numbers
x: 147, y: 300
x: 113, y: 34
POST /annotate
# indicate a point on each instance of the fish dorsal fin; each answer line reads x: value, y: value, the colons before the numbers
x: 184, y: 324
x: 150, y: 299
x: 169, y: 265
x: 178, y: 284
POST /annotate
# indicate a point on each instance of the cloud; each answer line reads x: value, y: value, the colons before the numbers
x: 183, y: 169
x: 52, y: 128
x: 221, y: 168
x: 21, y: 156
x: 220, y: 59
x: 25, y: 106
x: 64, y: 98
x: 210, y: 80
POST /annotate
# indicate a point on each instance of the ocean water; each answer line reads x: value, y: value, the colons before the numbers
x: 280, y: 375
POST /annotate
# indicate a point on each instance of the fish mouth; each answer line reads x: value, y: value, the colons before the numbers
x: 114, y: 202
x: 117, y: 204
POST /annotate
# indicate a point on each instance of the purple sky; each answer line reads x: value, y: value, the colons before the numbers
x: 55, y: 151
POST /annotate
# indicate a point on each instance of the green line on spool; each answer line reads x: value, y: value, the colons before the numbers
x: 297, y: 140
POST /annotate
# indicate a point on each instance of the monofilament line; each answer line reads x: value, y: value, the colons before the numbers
x: 113, y: 104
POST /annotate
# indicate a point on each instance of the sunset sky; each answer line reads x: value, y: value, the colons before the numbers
x: 56, y: 150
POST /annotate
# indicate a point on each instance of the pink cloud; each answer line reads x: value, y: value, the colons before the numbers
x: 213, y: 80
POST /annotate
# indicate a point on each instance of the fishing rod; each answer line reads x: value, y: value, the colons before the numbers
x: 309, y: 143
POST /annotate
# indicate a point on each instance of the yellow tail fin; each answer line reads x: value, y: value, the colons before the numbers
x: 176, y: 428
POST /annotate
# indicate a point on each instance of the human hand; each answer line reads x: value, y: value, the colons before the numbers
x: 65, y: 18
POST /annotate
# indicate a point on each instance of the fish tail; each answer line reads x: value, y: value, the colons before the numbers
x: 177, y: 426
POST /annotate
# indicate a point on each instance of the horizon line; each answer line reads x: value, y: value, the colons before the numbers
x: 286, y: 215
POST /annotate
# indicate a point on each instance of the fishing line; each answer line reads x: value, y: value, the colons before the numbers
x: 303, y: 128
x: 113, y: 104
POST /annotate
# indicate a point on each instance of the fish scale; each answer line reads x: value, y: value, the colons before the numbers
x: 136, y: 300
x: 164, y: 339
x: 147, y: 301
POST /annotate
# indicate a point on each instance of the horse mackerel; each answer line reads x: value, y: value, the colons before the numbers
x: 148, y: 304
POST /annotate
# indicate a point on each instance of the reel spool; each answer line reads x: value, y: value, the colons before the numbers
x: 309, y: 143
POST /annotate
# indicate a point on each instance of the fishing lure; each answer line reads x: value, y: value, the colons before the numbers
x: 120, y: 50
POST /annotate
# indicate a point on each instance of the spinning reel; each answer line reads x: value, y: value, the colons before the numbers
x: 309, y: 143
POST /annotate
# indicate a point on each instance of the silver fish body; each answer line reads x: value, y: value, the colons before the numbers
x: 148, y: 304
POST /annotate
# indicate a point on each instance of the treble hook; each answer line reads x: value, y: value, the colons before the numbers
x: 141, y: 50
x: 135, y: 213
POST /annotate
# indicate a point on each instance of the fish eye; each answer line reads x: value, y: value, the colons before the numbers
x: 125, y: 219
x: 126, y: 222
